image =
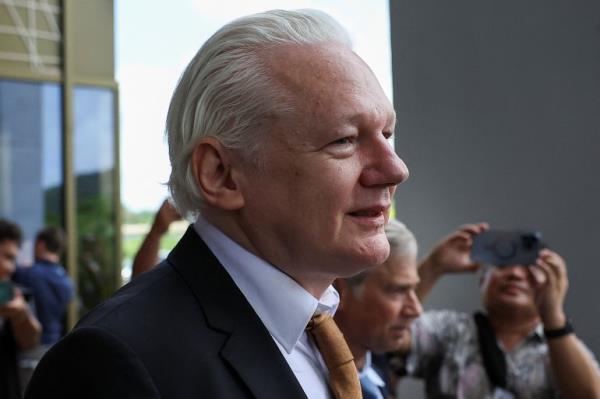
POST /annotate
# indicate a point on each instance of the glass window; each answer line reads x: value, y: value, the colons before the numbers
x: 94, y: 167
x: 31, y: 157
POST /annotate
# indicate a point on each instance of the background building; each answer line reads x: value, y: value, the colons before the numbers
x: 59, y: 161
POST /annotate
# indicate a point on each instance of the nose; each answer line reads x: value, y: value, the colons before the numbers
x: 515, y: 271
x: 412, y: 307
x: 383, y: 167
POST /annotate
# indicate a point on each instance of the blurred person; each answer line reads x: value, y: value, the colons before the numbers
x: 19, y: 329
x: 147, y: 255
x: 48, y: 282
x: 377, y: 307
x: 521, y: 346
x: 278, y: 140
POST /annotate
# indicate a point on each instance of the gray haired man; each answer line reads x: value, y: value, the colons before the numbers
x: 377, y: 308
x: 278, y: 139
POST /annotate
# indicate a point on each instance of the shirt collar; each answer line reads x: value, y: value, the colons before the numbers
x: 283, y: 306
x: 368, y: 372
x: 538, y: 332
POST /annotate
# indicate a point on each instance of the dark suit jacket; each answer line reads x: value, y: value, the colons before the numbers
x: 181, y: 330
x: 380, y: 366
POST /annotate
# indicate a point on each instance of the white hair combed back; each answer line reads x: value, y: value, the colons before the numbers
x: 226, y: 91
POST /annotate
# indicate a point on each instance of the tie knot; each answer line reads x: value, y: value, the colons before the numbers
x: 317, y: 320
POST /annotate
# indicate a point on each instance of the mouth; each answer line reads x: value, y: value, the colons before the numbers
x: 399, y: 331
x: 514, y: 289
x: 400, y: 328
x: 376, y: 213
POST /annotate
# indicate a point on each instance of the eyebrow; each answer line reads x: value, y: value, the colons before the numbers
x: 403, y: 286
x: 390, y: 119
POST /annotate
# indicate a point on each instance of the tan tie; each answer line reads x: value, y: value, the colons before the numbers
x: 343, y: 376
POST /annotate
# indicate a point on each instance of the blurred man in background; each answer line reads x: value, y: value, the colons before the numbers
x: 377, y: 308
x: 19, y: 329
x: 48, y: 282
x: 147, y: 255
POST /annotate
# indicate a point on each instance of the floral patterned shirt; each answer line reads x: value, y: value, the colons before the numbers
x: 445, y: 353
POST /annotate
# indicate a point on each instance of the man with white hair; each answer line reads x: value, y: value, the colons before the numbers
x: 377, y: 308
x: 278, y: 139
x: 521, y: 346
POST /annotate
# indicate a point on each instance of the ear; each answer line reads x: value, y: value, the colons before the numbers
x: 212, y: 165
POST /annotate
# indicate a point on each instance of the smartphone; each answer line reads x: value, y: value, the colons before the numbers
x: 505, y: 248
x: 7, y: 292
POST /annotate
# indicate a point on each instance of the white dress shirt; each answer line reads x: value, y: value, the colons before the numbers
x: 281, y: 303
x: 370, y: 374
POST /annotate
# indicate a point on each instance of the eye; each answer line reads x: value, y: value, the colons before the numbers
x: 344, y: 141
x: 397, y: 289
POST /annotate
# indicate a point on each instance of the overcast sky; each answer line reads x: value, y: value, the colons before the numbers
x: 156, y: 39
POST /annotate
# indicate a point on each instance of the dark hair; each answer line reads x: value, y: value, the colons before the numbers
x: 9, y: 231
x: 54, y: 238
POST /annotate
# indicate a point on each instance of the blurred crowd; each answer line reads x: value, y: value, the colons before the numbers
x: 33, y: 304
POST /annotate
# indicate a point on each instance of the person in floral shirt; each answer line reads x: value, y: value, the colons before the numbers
x: 521, y: 346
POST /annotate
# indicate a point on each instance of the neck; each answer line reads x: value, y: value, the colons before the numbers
x: 314, y: 283
x: 345, y: 324
x: 511, y: 328
x: 360, y: 356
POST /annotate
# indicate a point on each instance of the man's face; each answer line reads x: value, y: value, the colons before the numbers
x: 378, y: 315
x: 318, y: 205
x: 509, y: 288
x: 8, y: 257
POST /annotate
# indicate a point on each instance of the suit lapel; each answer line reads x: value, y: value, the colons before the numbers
x: 261, y: 365
x: 250, y: 349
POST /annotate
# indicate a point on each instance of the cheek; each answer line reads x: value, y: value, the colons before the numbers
x: 5, y: 269
x: 339, y: 178
x: 393, y: 311
x: 385, y: 311
x: 320, y: 189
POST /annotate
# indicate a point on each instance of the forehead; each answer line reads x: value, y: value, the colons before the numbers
x: 9, y: 247
x: 296, y: 65
x: 329, y: 81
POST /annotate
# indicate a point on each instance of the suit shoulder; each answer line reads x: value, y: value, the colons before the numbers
x: 83, y: 362
x: 144, y: 293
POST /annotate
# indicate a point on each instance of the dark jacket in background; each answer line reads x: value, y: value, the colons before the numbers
x: 52, y: 289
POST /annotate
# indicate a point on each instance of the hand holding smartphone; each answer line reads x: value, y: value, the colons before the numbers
x: 505, y: 248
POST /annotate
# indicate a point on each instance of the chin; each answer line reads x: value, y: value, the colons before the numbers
x: 356, y: 258
x: 373, y: 252
x: 347, y: 269
x: 516, y: 303
x: 392, y: 344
